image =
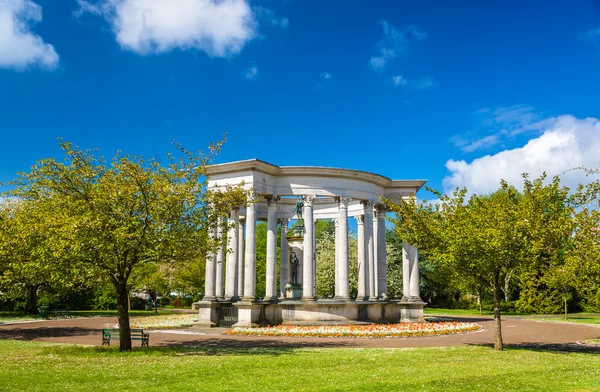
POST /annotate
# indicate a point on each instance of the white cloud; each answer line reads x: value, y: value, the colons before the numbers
x: 484, y: 142
x: 500, y: 124
x: 395, y: 42
x: 19, y: 46
x: 565, y: 143
x: 221, y: 28
x: 424, y: 83
x: 399, y: 80
x: 591, y: 35
x: 251, y: 73
x: 266, y: 15
x: 325, y: 80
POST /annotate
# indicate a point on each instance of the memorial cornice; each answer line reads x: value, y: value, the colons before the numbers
x: 311, y: 171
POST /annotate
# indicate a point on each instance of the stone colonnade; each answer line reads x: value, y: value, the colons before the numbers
x: 237, y: 281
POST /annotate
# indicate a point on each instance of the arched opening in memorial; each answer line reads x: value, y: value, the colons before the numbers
x: 291, y: 200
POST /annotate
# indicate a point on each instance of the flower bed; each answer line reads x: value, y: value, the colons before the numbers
x: 361, y: 331
x: 166, y: 321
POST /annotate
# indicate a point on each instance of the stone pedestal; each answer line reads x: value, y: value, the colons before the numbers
x: 293, y: 292
x: 208, y: 314
x: 249, y: 314
x: 411, y: 311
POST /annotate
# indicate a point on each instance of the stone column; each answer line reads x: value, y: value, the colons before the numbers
x: 308, y: 283
x: 342, y: 283
x: 240, y: 264
x: 381, y: 255
x: 363, y: 266
x: 369, y: 249
x: 210, y: 275
x: 271, y: 269
x: 232, y: 256
x: 219, y: 287
x: 407, y: 257
x: 337, y: 259
x: 284, y: 262
x: 375, y: 253
x: 415, y: 289
x: 250, y: 254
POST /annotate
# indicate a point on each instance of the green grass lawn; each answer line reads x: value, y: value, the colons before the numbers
x: 30, y: 366
x: 6, y: 317
x: 578, y: 318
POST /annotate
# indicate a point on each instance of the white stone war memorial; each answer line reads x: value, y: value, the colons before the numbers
x: 306, y: 194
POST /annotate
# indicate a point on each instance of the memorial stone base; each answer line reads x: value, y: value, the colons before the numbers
x: 208, y: 313
x: 326, y: 312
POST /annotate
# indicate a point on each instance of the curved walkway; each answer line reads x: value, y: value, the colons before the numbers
x: 518, y: 333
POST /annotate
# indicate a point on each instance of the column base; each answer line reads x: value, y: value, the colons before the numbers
x: 365, y: 298
x: 232, y: 299
x: 270, y: 300
x: 248, y: 314
x: 209, y: 298
x: 411, y: 311
x: 208, y: 316
x: 311, y: 298
x: 342, y: 298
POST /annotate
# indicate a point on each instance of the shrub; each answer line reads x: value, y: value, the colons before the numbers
x: 176, y: 302
x: 104, y: 299
x: 137, y: 303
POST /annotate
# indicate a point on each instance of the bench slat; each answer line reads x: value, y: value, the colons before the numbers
x: 109, y: 334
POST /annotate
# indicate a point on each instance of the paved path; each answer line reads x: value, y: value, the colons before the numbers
x: 519, y: 333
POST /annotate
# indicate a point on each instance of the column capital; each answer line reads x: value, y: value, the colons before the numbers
x: 343, y: 201
x: 360, y: 219
x: 308, y: 200
x: 253, y: 197
x: 283, y: 221
x: 368, y: 205
x: 380, y: 208
x: 272, y: 199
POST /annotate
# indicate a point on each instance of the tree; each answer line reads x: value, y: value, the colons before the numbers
x: 130, y: 211
x: 583, y: 260
x: 483, y: 239
x: 549, y: 214
x: 29, y: 254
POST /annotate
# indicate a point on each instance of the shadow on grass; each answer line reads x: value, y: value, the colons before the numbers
x: 45, y: 332
x: 559, y: 348
x: 208, y: 347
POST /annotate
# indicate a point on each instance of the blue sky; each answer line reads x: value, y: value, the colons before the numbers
x: 459, y: 93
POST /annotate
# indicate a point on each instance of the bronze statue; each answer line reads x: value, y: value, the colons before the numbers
x: 298, y: 208
x: 294, y: 264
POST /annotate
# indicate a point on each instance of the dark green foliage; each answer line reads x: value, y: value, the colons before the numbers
x: 137, y: 303
x: 536, y: 296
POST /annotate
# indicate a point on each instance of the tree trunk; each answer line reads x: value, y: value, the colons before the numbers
x: 565, y: 307
x: 31, y: 307
x: 498, y: 345
x: 123, y: 312
x: 507, y: 285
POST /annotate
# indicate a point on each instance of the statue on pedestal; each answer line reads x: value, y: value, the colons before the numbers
x: 294, y: 265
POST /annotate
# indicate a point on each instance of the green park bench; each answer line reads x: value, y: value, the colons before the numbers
x: 109, y: 334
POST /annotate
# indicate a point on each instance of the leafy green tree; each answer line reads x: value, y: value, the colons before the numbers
x: 483, y: 239
x: 29, y: 251
x: 130, y: 211
x: 549, y: 214
x: 583, y: 260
